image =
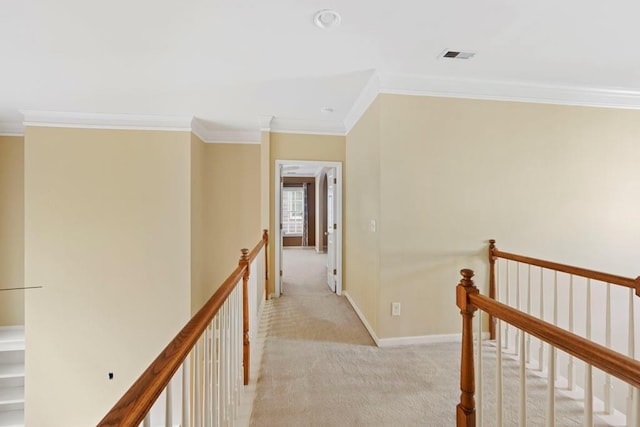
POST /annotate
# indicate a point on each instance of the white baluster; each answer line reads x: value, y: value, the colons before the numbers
x: 635, y: 417
x: 479, y: 372
x: 571, y: 368
x: 498, y: 356
x: 541, y: 348
x: 499, y: 408
x: 588, y: 396
x: 224, y: 366
x: 229, y: 366
x: 518, y: 307
x: 523, y: 382
x: 555, y: 314
x: 240, y: 340
x: 168, y: 410
x: 207, y: 377
x: 588, y: 374
x: 215, y: 350
x: 632, y: 353
x: 551, y: 388
x: 147, y: 420
x: 233, y: 368
x: 608, y: 386
x: 186, y: 395
x: 237, y: 349
x: 197, y: 393
x: 528, y: 310
x: 507, y: 302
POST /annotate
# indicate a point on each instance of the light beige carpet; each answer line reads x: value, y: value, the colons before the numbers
x: 321, y: 368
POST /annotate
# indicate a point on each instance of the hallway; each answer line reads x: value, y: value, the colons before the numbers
x: 320, y: 367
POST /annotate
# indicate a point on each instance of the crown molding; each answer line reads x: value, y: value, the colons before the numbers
x: 308, y: 127
x: 106, y: 121
x: 11, y: 129
x: 452, y: 87
x: 265, y: 123
x: 223, y: 136
x: 365, y: 99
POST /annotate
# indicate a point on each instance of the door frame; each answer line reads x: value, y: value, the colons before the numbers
x: 277, y: 214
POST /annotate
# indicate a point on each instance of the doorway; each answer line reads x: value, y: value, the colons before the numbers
x: 308, y: 216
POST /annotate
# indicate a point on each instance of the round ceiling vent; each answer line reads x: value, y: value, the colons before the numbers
x: 327, y: 18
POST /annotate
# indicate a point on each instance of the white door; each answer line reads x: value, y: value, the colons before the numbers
x: 281, y: 246
x: 331, y: 229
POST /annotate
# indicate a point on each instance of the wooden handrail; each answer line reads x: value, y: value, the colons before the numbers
x: 603, y: 358
x: 569, y: 269
x: 469, y: 300
x: 495, y: 253
x: 132, y: 407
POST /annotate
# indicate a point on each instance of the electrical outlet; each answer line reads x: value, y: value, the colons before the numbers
x: 395, y: 309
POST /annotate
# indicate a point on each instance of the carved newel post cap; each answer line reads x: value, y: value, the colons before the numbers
x: 467, y: 274
x: 245, y: 255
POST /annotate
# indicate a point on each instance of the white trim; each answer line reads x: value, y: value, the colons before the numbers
x: 223, y: 137
x: 265, y: 123
x: 423, y: 339
x: 452, y: 87
x: 308, y: 127
x: 363, y: 319
x: 365, y: 99
x: 276, y: 217
x: 400, y: 341
x: 388, y: 83
x: 307, y: 132
x: 106, y: 121
x: 11, y: 129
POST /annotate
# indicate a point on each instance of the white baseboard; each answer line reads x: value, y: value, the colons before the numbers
x: 400, y: 341
x: 424, y: 339
x: 362, y: 318
x: 420, y: 339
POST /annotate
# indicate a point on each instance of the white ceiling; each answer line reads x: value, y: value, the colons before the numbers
x: 228, y: 63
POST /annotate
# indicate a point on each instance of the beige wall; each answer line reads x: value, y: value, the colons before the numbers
x: 231, y: 209
x: 285, y: 146
x: 107, y: 235
x: 11, y: 229
x: 558, y: 182
x: 362, y: 205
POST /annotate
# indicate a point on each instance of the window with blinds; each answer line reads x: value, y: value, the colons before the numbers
x: 292, y: 211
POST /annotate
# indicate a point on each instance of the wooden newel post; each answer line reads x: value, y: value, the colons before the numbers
x: 265, y: 237
x: 466, y: 409
x: 492, y: 286
x: 244, y: 262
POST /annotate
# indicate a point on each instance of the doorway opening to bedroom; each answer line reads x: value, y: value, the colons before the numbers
x: 308, y: 224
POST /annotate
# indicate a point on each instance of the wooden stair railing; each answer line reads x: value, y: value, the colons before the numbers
x: 135, y: 404
x: 469, y: 299
x: 494, y: 254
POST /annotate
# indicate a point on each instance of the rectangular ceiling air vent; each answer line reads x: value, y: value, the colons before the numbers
x: 454, y: 54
